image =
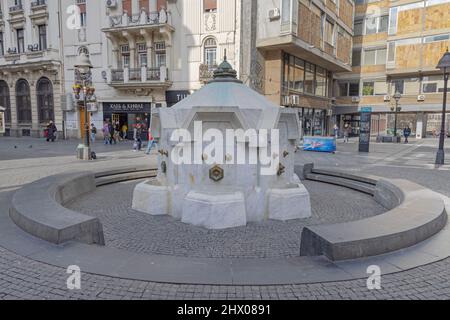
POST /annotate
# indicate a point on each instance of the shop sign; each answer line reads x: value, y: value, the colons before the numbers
x: 126, y: 107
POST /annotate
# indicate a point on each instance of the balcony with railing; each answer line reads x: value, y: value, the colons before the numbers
x: 39, y: 12
x: 17, y: 16
x: 142, y: 77
x: 141, y: 20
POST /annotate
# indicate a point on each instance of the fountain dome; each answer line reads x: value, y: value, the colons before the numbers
x: 214, y: 189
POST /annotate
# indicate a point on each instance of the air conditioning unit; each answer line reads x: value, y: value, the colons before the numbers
x: 111, y: 3
x: 356, y: 99
x: 387, y: 98
x: 295, y: 100
x: 286, y: 100
x: 274, y: 14
x: 421, y: 98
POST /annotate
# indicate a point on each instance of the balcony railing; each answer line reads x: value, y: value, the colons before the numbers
x: 38, y: 3
x: 152, y: 18
x: 135, y: 74
x: 138, y: 75
x: 206, y: 72
x: 16, y: 8
x: 117, y: 75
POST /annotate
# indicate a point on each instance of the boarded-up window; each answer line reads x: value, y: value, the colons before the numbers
x: 162, y: 4
x: 126, y: 6
x: 144, y: 5
x: 210, y: 5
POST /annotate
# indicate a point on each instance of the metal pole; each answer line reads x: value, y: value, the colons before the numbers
x: 440, y: 157
x: 86, y: 124
x: 395, y: 121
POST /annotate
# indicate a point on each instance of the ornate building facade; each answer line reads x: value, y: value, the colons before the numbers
x: 31, y: 73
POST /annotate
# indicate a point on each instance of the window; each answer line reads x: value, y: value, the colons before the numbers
x: 433, y: 84
x: 160, y: 54
x: 23, y: 101
x: 45, y: 100
x: 142, y: 54
x: 343, y: 89
x: 374, y: 57
x: 210, y: 5
x: 42, y: 29
x: 353, y: 89
x: 83, y: 15
x: 329, y: 32
x: 299, y: 75
x: 391, y: 51
x: 210, y: 52
x: 321, y: 82
x: 309, y: 78
x: 377, y: 24
x: 20, y: 41
x: 398, y: 86
x: 356, y: 58
x: 5, y: 100
x: 125, y: 50
x: 368, y: 88
x: 2, y: 45
x: 393, y: 15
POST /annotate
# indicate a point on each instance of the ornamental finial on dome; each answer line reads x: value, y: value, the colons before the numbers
x: 225, y: 70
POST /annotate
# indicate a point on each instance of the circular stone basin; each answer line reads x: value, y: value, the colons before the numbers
x: 127, y: 229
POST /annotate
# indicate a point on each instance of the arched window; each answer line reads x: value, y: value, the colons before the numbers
x: 45, y: 103
x: 210, y: 52
x: 23, y: 101
x: 4, y: 100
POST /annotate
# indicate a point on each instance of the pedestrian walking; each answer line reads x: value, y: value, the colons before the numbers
x: 124, y: 131
x: 106, y: 134
x: 151, y: 141
x: 117, y: 131
x: 347, y: 131
x: 407, y: 133
x: 111, y: 133
x: 336, y: 131
x: 51, y: 132
x: 93, y: 133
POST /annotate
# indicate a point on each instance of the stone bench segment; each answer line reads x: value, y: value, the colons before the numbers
x: 418, y: 213
x: 351, y: 184
x: 38, y: 209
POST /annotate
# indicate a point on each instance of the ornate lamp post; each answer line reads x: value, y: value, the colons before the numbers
x: 444, y: 66
x: 83, y: 67
x: 396, y: 109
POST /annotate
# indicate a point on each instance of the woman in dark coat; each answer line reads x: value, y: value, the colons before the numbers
x: 51, y: 132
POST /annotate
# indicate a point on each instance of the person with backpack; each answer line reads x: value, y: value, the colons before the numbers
x: 51, y: 132
x: 106, y: 134
x: 407, y: 133
x: 151, y: 141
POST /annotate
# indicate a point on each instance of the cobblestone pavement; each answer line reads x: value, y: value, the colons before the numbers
x: 22, y: 278
x: 128, y: 229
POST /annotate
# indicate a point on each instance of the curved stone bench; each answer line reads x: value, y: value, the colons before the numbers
x: 38, y: 209
x: 416, y: 214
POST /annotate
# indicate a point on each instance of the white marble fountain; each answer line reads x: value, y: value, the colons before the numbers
x: 222, y: 194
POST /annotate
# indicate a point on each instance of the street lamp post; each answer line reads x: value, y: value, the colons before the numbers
x: 397, y: 97
x: 83, y: 67
x: 444, y: 66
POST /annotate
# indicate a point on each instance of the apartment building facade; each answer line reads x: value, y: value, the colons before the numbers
x: 396, y: 48
x: 302, y: 45
x: 31, y: 73
x: 147, y: 54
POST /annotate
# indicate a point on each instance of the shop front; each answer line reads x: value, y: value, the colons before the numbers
x: 314, y: 121
x: 128, y: 114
